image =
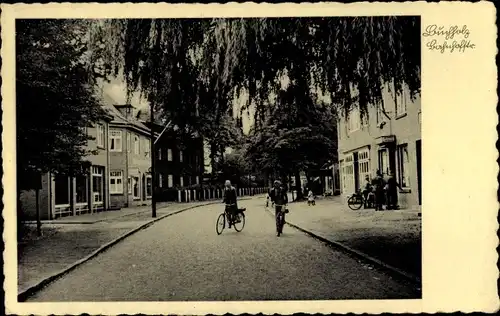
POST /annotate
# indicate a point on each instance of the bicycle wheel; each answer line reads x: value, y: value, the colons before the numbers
x: 239, y: 222
x: 279, y: 220
x: 355, y: 202
x: 221, y: 224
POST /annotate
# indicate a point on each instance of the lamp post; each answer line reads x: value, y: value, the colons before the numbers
x: 153, y: 156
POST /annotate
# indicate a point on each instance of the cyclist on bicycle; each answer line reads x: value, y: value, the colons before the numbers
x: 230, y: 200
x: 280, y: 200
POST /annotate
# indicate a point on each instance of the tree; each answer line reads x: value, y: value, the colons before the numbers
x: 186, y: 66
x: 296, y: 137
x: 324, y: 55
x: 54, y: 99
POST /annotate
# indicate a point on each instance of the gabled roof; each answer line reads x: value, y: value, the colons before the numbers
x: 111, y: 108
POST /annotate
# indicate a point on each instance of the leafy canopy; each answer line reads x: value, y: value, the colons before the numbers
x: 187, y: 67
x: 54, y: 99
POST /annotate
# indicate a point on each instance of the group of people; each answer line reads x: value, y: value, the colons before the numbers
x: 277, y: 195
x: 380, y: 192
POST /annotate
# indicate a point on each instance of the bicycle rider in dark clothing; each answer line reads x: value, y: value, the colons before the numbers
x: 230, y: 200
x: 279, y: 198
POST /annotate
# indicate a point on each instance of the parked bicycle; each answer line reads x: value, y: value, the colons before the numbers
x: 237, y: 220
x: 357, y: 200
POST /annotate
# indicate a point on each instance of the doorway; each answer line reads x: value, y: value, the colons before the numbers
x: 356, y: 171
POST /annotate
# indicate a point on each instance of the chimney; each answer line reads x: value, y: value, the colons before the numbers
x: 125, y: 109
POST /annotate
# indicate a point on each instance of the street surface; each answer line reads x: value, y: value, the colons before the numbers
x: 181, y: 258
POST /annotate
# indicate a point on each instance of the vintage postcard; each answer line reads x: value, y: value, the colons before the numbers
x: 249, y: 158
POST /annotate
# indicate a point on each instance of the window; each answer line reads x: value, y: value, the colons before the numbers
x: 135, y: 187
x: 97, y: 184
x: 129, y: 185
x: 146, y: 146
x: 169, y: 155
x: 81, y: 189
x: 170, y: 180
x: 197, y: 179
x: 354, y: 120
x: 181, y: 156
x: 129, y: 142
x: 136, y: 145
x: 182, y: 181
x: 403, y: 165
x: 380, y: 115
x: 61, y: 190
x: 364, y: 165
x: 115, y: 139
x: 100, y: 135
x: 149, y: 186
x: 348, y: 173
x: 160, y: 180
x: 159, y: 154
x: 116, y: 182
x: 400, y: 103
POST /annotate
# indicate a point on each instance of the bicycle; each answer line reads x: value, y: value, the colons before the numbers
x: 280, y: 219
x: 233, y: 219
x: 357, y: 200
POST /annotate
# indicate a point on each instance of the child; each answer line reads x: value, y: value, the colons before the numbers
x: 310, y: 198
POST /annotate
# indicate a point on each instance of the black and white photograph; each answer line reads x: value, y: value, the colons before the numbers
x: 221, y: 159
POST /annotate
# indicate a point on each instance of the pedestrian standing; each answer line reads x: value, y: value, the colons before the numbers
x: 379, y: 185
x: 392, y: 192
x: 367, y: 189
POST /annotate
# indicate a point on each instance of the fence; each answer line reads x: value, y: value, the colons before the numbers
x: 203, y: 194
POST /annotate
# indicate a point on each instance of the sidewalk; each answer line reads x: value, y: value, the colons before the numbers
x: 103, y: 216
x: 393, y: 237
x: 64, y: 244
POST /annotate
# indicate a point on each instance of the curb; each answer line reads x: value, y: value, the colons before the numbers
x: 359, y: 254
x: 24, y: 295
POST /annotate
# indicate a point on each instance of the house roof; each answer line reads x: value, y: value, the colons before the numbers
x: 111, y: 108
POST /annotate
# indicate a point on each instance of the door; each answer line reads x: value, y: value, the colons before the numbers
x: 419, y: 170
x: 392, y: 160
x: 143, y: 187
x: 356, y: 171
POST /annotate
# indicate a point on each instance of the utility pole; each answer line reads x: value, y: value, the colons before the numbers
x: 153, y: 156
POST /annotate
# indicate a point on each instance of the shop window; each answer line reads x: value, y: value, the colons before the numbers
x: 61, y: 190
x: 97, y: 184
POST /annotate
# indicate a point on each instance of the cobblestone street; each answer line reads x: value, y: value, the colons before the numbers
x: 182, y: 258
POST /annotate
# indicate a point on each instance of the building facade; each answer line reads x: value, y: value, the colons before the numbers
x: 178, y: 164
x: 61, y: 195
x: 130, y: 179
x: 389, y: 142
